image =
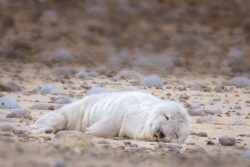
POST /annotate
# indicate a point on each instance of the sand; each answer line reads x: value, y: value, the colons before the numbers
x: 21, y: 148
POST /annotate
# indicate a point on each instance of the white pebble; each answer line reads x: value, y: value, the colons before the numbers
x: 240, y: 81
x: 152, y: 81
x: 7, y: 102
x: 50, y: 89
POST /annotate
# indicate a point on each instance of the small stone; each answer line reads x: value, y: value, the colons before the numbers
x: 82, y: 75
x: 152, y: 81
x: 59, y: 55
x: 45, y: 106
x: 198, y: 149
x: 237, y: 107
x: 240, y: 81
x: 157, y: 62
x: 169, y: 145
x: 62, y: 100
x: 120, y: 148
x: 17, y: 113
x: 14, y: 114
x: 221, y: 89
x: 50, y: 89
x: 48, y: 131
x: 96, y: 90
x: 18, y: 131
x: 196, y: 112
x: 195, y: 87
x: 103, y: 142
x: 6, y: 127
x: 213, y: 111
x: 7, y: 102
x: 64, y: 71
x: 201, y: 134
x: 127, y: 143
x: 10, y: 87
x: 133, y: 145
x: 205, y: 120
x: 227, y: 140
x: 209, y: 142
x: 127, y: 74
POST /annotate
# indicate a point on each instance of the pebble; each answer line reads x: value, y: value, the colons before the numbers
x: 103, y: 142
x: 82, y: 75
x: 50, y: 89
x: 201, y: 134
x: 96, y: 90
x: 169, y: 145
x: 162, y: 62
x: 18, y: 113
x: 6, y: 127
x: 133, y: 145
x: 152, y: 81
x: 197, y: 149
x: 45, y: 106
x: 202, y: 112
x: 18, y: 131
x: 60, y: 55
x: 213, y: 112
x: 240, y: 81
x: 64, y: 71
x: 62, y: 100
x: 221, y: 89
x: 205, y: 120
x: 126, y: 143
x: 196, y: 112
x: 209, y: 142
x: 7, y: 102
x: 10, y: 87
x: 197, y: 87
x: 127, y: 74
x: 237, y: 107
x: 227, y: 140
x: 120, y: 148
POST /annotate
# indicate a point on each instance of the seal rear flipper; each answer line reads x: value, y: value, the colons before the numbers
x: 52, y: 122
x: 103, y: 128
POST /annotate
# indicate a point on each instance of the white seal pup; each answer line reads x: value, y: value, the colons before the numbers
x: 130, y: 114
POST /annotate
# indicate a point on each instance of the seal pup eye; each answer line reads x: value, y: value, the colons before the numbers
x: 167, y: 118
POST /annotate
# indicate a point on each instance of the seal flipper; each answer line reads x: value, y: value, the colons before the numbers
x: 52, y: 122
x: 103, y: 128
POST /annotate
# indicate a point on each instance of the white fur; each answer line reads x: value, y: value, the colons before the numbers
x: 132, y: 114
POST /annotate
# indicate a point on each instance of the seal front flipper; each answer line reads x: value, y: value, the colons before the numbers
x: 52, y: 122
x: 103, y: 128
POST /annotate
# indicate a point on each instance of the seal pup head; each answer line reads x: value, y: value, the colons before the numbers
x: 169, y: 123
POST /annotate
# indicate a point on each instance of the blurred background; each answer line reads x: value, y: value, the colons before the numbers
x: 163, y: 35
